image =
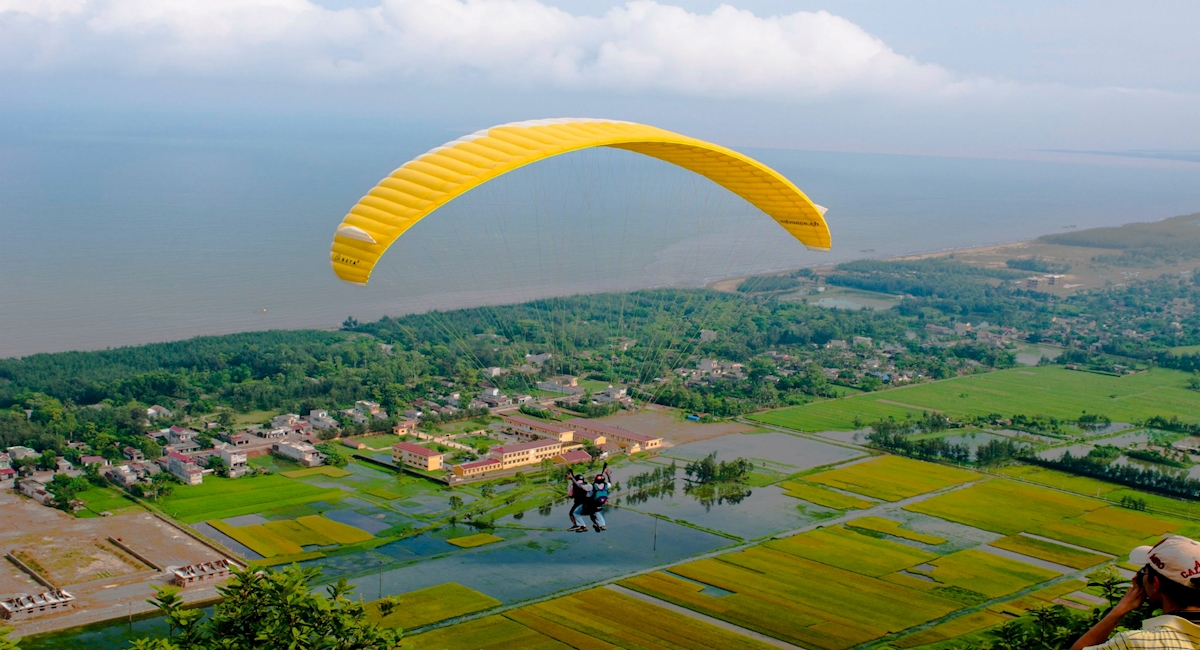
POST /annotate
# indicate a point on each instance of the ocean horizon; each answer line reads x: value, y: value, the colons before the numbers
x: 120, y: 241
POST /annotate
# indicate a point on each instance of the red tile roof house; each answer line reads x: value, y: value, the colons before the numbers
x: 415, y: 455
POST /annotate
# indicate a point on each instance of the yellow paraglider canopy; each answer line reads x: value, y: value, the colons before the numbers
x: 433, y: 179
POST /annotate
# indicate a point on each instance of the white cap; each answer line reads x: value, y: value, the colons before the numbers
x: 1175, y: 557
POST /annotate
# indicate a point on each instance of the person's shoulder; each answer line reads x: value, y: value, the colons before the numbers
x: 1151, y: 637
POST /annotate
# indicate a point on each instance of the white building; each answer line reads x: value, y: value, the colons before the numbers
x: 301, y: 452
x: 156, y: 411
x: 235, y: 460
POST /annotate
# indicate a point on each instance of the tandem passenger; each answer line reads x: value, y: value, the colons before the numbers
x: 1169, y: 580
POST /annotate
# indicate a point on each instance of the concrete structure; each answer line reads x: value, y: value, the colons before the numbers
x: 156, y: 411
x: 93, y: 460
x: 25, y: 606
x: 416, y: 456
x: 6, y: 471
x: 301, y: 452
x: 133, y: 453
x: 197, y: 573
x: 525, y: 453
x: 235, y: 460
x: 184, y: 468
x: 478, y: 467
x: 631, y: 440
x: 530, y: 428
x: 538, y: 359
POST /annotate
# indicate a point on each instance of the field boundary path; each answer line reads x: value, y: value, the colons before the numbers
x: 736, y: 629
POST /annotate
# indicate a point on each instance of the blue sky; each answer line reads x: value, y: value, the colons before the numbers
x: 922, y: 76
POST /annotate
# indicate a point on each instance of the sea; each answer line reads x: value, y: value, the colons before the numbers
x: 111, y: 239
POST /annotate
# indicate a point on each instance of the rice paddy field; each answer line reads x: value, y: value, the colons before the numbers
x: 219, y: 498
x: 895, y: 529
x: 1042, y: 390
x: 598, y: 618
x: 1049, y: 551
x: 431, y: 605
x: 892, y: 478
x: 823, y: 496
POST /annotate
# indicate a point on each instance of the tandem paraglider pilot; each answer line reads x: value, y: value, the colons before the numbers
x: 1170, y: 581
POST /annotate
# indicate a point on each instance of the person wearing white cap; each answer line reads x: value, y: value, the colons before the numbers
x: 1169, y: 580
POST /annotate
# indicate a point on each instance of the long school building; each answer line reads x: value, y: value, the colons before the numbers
x: 631, y: 440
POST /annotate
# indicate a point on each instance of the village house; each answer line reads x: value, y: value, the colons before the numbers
x: 493, y: 398
x: 285, y: 420
x: 530, y: 428
x: 416, y: 456
x: 133, y: 453
x: 631, y: 440
x: 18, y: 452
x: 156, y: 411
x: 272, y: 434
x: 93, y: 460
x: 564, y: 384
x: 319, y: 419
x: 235, y: 460
x: 184, y: 468
x: 538, y: 359
x: 404, y: 427
x: 300, y: 452
x: 6, y: 471
x: 35, y: 489
x: 25, y: 606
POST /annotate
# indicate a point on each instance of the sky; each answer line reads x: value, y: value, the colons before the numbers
x: 989, y: 79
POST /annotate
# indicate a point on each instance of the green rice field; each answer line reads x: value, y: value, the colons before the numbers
x: 1049, y: 551
x: 1042, y: 390
x: 845, y: 549
x: 259, y: 539
x: 105, y: 499
x: 338, y: 532
x: 987, y: 574
x: 823, y: 496
x: 892, y: 478
x: 220, y: 498
x: 431, y: 605
x: 895, y: 529
x: 471, y: 541
x: 596, y: 619
x: 1077, y: 520
x: 323, y: 470
x: 807, y: 603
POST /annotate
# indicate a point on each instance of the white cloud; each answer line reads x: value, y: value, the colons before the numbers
x: 640, y: 46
